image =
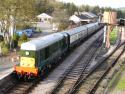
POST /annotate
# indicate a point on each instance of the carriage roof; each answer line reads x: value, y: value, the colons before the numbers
x: 75, y: 30
x: 79, y: 29
x: 41, y: 42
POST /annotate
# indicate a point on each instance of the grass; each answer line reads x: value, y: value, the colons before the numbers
x: 118, y: 81
x: 113, y: 36
x: 121, y: 83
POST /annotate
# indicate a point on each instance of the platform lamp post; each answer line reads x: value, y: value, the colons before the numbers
x: 109, y: 18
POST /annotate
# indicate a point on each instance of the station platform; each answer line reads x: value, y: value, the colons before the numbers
x: 5, y: 73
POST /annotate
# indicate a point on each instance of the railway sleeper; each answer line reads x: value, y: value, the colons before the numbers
x: 75, y: 74
x: 75, y: 77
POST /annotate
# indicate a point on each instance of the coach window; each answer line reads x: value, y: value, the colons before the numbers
x: 42, y: 54
x: 46, y: 52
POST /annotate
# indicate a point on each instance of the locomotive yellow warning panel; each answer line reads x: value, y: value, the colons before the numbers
x: 27, y: 62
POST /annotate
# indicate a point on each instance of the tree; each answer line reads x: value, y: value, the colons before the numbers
x: 120, y: 14
x: 87, y: 8
x: 70, y: 8
x: 44, y: 6
x: 82, y: 8
x: 59, y: 14
x: 96, y: 9
x: 16, y: 11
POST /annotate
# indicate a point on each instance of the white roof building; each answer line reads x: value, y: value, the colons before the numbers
x: 79, y: 18
x: 44, y: 17
x: 74, y: 18
x: 90, y: 14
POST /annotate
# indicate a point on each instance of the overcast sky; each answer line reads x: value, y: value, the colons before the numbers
x: 104, y: 3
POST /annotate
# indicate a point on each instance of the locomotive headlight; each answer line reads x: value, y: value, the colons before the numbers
x: 27, y: 53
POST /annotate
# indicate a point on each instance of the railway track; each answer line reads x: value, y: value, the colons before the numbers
x: 89, y: 84
x: 74, y: 75
x: 20, y: 87
x: 76, y: 71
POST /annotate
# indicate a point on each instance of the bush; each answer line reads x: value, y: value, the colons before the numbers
x: 7, y: 45
x: 62, y: 26
x: 15, y: 37
x: 23, y: 25
x: 113, y: 36
x: 20, y: 42
x: 3, y: 44
x: 14, y: 44
x: 5, y: 50
x: 23, y: 37
x: 1, y: 38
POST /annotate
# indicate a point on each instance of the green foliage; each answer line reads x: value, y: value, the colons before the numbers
x: 22, y: 25
x: 44, y: 6
x: 113, y: 36
x: 15, y: 37
x: 95, y: 9
x: 63, y: 26
x: 4, y: 47
x: 1, y: 38
x: 121, y: 84
x: 5, y: 51
x: 23, y: 37
x: 70, y: 8
x: 4, y: 44
x: 14, y: 44
x: 59, y: 14
x: 120, y: 14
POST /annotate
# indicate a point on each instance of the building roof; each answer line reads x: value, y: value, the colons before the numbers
x: 74, y: 18
x: 44, y: 15
x: 79, y: 18
x: 90, y: 14
x: 82, y: 16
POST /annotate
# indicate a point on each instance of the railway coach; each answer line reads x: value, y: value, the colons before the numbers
x: 80, y: 33
x: 39, y: 55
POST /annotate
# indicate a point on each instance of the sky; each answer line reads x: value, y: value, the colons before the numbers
x: 101, y: 3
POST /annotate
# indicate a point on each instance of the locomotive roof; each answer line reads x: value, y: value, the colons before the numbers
x: 41, y: 42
